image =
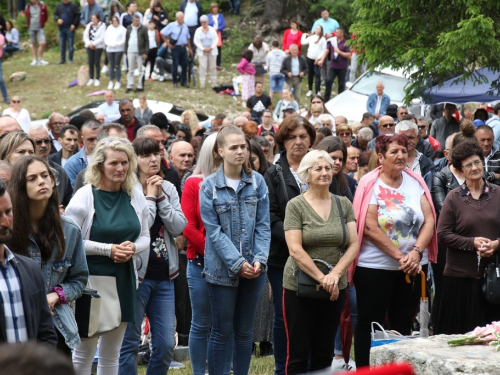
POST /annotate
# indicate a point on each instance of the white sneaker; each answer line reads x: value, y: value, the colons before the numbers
x: 117, y: 85
x: 309, y: 93
x: 104, y: 69
x: 34, y: 62
x: 155, y: 76
x: 96, y: 82
x: 90, y: 82
x: 161, y: 79
x: 42, y: 62
x: 338, y: 365
x: 110, y: 85
x: 351, y: 366
x: 318, y: 93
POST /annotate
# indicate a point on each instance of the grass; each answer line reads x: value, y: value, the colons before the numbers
x: 258, y: 366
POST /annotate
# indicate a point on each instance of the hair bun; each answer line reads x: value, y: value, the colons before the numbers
x: 467, y: 128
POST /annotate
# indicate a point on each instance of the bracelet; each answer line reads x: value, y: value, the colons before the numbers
x: 420, y: 252
x: 60, y: 292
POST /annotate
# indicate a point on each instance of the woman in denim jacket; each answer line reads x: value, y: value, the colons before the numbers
x: 51, y: 240
x: 234, y: 206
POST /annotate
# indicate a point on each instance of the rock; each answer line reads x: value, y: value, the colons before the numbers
x: 18, y: 76
x: 433, y: 356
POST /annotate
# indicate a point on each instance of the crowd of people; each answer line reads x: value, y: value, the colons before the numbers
x: 286, y: 216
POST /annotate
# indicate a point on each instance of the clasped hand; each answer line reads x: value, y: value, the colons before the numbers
x: 330, y: 283
x: 485, y: 247
x: 153, y: 185
x: 249, y: 272
x: 410, y: 263
x: 123, y: 252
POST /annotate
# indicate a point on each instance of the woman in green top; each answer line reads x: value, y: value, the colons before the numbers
x: 113, y: 217
x: 314, y: 230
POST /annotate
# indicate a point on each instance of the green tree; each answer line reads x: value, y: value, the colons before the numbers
x: 431, y: 39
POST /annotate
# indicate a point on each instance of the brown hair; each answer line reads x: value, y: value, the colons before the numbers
x: 291, y: 123
x: 332, y: 144
x: 250, y: 128
x: 257, y: 43
x: 220, y: 141
x: 467, y: 133
x: 383, y: 141
x: 212, y: 6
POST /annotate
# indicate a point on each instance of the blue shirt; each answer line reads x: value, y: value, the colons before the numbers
x: 12, y: 300
x: 177, y: 32
x: 328, y: 26
x: 111, y: 112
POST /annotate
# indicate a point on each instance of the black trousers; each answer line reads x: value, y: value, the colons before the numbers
x: 151, y: 59
x: 94, y: 60
x: 313, y: 73
x: 382, y: 292
x: 311, y: 325
x: 332, y: 74
x: 219, y: 56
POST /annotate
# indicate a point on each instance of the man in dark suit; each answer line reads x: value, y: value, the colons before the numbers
x: 68, y: 138
x: 24, y: 311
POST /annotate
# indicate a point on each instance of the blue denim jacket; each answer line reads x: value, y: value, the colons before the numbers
x: 70, y: 272
x: 237, y: 226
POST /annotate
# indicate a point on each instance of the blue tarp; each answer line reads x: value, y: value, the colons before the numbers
x: 466, y: 91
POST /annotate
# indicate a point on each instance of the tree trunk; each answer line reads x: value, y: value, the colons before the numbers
x: 12, y: 8
x: 273, y: 13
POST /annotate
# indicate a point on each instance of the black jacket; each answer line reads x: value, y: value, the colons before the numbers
x: 278, y: 252
x: 55, y: 157
x: 138, y: 123
x: 74, y: 12
x: 39, y: 321
x: 286, y: 66
x: 182, y: 9
x: 64, y: 187
x: 442, y: 183
x: 425, y: 147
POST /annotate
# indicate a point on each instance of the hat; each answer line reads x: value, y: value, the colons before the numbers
x: 478, y: 123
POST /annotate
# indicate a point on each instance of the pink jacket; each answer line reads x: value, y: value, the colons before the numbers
x: 245, y: 67
x: 362, y: 201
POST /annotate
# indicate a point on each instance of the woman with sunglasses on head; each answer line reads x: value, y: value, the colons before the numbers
x: 51, y: 240
x: 20, y: 114
x: 112, y: 214
x: 155, y: 295
x: 234, y: 206
x: 183, y: 133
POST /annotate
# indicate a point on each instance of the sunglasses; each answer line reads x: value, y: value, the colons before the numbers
x: 183, y: 127
x: 39, y: 142
x: 16, y: 101
x: 344, y: 134
x: 422, y: 127
x: 387, y: 126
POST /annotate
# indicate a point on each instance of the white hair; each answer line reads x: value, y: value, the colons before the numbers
x: 310, y: 160
x: 326, y: 117
x: 405, y: 125
x: 366, y: 134
x: 36, y: 127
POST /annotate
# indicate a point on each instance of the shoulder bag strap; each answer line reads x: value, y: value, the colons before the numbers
x: 344, y: 236
x: 279, y: 169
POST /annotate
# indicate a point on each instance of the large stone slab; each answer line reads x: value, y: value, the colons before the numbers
x: 433, y: 356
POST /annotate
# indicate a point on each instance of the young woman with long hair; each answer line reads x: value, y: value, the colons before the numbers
x: 51, y: 240
x: 234, y: 206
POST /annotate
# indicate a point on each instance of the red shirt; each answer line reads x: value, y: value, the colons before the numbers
x: 195, y: 230
x: 130, y: 130
x: 289, y: 39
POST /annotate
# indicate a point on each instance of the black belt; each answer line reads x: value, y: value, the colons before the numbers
x: 180, y: 45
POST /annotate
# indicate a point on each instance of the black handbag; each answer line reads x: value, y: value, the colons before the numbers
x: 491, y: 286
x: 87, y: 311
x: 306, y: 285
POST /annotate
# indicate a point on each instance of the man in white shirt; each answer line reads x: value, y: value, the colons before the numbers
x: 109, y: 109
x: 55, y: 124
x: 192, y: 10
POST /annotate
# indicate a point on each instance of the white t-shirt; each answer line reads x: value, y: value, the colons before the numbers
x: 400, y: 217
x: 23, y: 117
x: 232, y: 183
x: 63, y: 162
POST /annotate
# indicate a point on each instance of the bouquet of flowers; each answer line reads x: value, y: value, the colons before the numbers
x: 488, y: 335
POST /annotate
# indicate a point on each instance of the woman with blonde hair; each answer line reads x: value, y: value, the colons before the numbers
x: 234, y: 207
x: 195, y: 233
x: 15, y: 145
x: 344, y: 132
x: 112, y: 214
x: 189, y: 118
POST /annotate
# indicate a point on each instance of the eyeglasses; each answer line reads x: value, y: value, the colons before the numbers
x: 16, y: 101
x: 387, y: 126
x: 344, y: 134
x: 475, y: 163
x: 39, y: 142
x: 61, y: 123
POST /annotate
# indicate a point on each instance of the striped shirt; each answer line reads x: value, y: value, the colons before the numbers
x: 12, y: 301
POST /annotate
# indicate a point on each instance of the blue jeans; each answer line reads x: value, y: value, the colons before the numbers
x: 275, y: 275
x: 233, y: 308
x: 66, y: 35
x: 201, y: 322
x: 157, y: 300
x: 353, y: 305
x: 179, y: 57
x: 2, y: 83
